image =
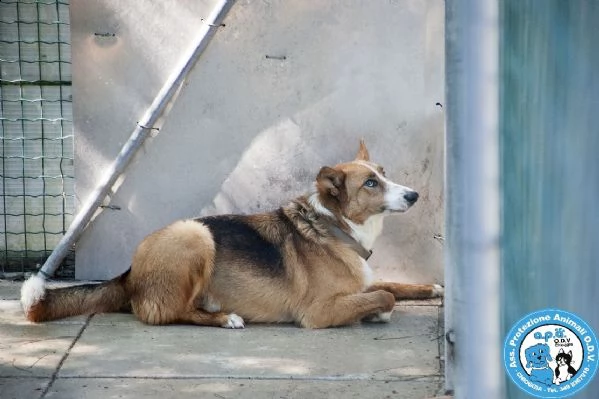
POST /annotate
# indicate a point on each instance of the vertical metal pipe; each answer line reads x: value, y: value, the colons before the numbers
x: 137, y: 138
x: 474, y: 366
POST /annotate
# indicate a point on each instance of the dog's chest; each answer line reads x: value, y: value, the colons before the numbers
x: 367, y: 274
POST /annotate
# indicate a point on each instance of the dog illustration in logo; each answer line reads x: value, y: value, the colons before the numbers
x: 538, y: 358
x: 564, y: 370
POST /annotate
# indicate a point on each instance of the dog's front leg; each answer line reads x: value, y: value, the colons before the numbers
x: 347, y: 309
x: 408, y: 291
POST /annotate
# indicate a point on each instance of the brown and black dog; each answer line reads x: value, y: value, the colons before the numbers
x: 304, y: 262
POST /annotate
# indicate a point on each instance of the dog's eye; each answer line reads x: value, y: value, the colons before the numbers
x: 371, y: 183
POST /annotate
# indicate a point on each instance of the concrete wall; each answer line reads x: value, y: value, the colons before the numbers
x: 247, y: 132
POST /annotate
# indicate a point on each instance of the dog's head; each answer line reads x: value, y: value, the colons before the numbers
x: 359, y: 189
x: 537, y: 356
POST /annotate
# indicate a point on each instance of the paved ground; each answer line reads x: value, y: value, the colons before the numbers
x: 115, y: 356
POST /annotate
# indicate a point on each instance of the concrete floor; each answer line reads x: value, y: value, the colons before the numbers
x: 115, y: 356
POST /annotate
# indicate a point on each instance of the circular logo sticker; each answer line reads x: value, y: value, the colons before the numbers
x: 551, y: 354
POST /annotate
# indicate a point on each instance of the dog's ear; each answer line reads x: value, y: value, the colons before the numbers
x: 330, y: 181
x: 570, y: 353
x: 561, y: 350
x: 363, y: 154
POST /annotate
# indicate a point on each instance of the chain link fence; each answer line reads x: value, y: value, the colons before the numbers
x: 36, y: 133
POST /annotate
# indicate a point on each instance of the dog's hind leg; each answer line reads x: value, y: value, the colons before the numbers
x: 219, y: 319
x: 167, y: 306
x: 170, y: 270
x: 197, y: 314
x: 344, y: 310
x: 408, y: 291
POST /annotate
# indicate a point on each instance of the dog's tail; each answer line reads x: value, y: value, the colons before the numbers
x: 41, y: 304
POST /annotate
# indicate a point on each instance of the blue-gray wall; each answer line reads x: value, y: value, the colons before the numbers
x: 549, y: 131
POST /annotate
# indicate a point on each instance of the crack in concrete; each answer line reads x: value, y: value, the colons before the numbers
x: 383, y: 338
x: 344, y: 377
x: 64, y: 358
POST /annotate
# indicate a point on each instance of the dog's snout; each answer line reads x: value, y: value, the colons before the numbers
x: 411, y: 197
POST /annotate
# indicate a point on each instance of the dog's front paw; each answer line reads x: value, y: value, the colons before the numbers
x: 234, y: 321
x: 382, y: 317
x: 438, y: 291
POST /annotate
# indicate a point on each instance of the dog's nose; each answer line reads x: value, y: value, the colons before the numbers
x: 411, y: 197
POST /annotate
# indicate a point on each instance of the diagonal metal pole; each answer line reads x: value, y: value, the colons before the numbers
x: 137, y: 138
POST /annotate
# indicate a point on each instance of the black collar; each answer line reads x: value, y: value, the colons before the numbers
x: 353, y: 243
